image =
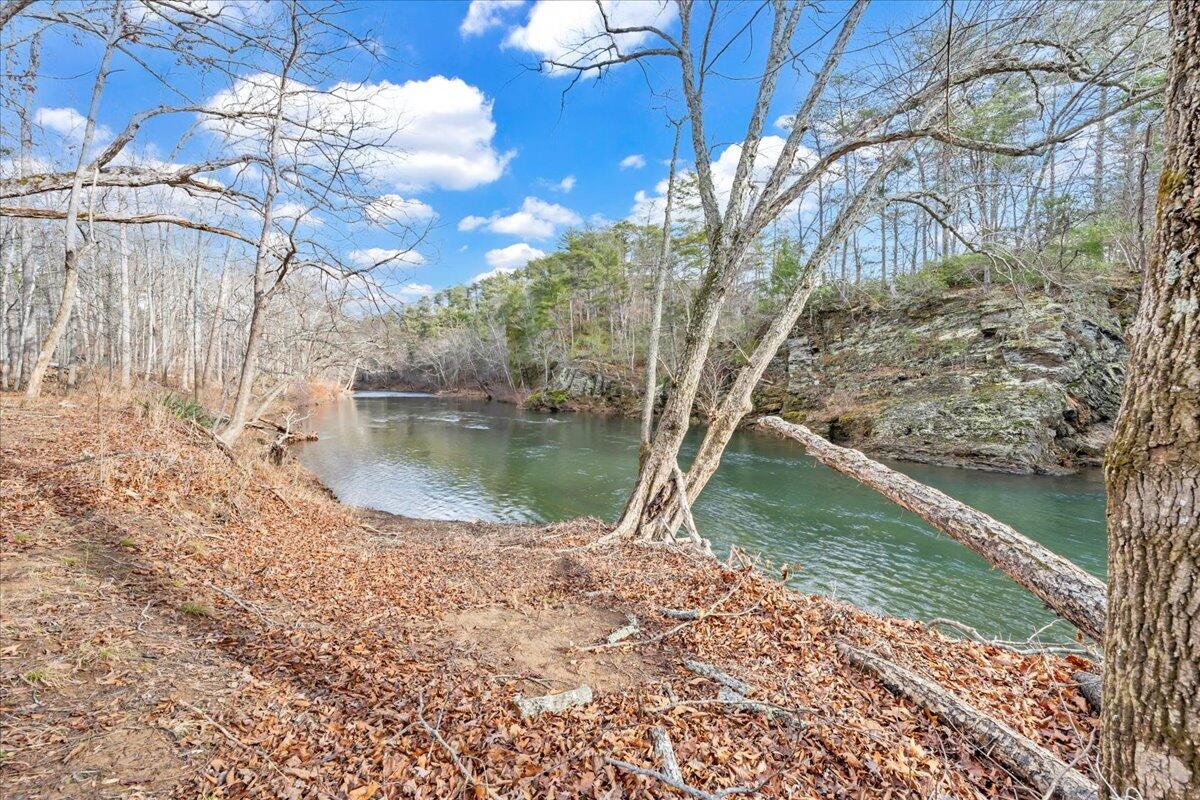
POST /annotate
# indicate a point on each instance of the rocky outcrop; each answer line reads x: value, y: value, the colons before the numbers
x: 586, y: 388
x: 979, y: 378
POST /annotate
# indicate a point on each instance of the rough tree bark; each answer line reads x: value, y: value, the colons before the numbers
x: 1151, y: 726
x: 70, y: 234
x: 1027, y: 760
x: 1074, y: 594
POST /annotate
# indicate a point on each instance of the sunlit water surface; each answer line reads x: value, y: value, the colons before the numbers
x: 439, y: 458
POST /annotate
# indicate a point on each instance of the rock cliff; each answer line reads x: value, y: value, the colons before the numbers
x: 979, y: 378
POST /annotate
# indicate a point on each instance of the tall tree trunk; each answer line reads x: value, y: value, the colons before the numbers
x: 1151, y: 727
x: 71, y: 254
x: 1098, y: 167
x: 738, y: 400
x: 125, y: 345
x: 214, y: 330
x: 662, y: 269
x: 656, y: 472
x: 7, y: 265
x: 194, y: 325
x: 262, y: 292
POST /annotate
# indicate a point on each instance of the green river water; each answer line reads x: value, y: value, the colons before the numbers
x: 438, y: 458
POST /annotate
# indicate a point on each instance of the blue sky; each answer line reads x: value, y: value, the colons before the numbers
x: 541, y: 137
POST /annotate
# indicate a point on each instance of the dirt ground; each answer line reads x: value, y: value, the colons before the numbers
x: 180, y: 623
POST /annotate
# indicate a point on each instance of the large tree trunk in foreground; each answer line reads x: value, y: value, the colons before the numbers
x: 1035, y: 765
x: 1074, y: 594
x: 1151, y: 730
x: 647, y: 501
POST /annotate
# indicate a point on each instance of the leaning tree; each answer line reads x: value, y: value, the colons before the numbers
x: 916, y: 87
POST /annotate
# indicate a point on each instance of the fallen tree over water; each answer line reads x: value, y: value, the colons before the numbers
x: 1074, y: 594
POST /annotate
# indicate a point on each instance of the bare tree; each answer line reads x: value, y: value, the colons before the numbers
x: 974, y: 53
x: 661, y: 271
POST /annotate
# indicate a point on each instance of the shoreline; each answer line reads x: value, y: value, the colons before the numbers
x: 747, y: 424
x: 314, y: 631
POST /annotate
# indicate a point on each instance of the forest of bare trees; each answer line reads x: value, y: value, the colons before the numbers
x: 125, y: 263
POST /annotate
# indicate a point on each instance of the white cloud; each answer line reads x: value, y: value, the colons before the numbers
x: 522, y: 223
x: 559, y: 29
x: 436, y: 132
x: 471, y: 222
x: 784, y: 123
x: 492, y: 273
x: 483, y: 15
x: 68, y: 122
x: 565, y: 185
x: 411, y: 292
x: 380, y: 256
x: 649, y: 207
x: 394, y: 208
x: 512, y: 257
x: 635, y: 161
x: 537, y: 219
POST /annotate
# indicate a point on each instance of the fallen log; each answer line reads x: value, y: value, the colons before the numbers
x: 723, y: 678
x: 630, y: 628
x: 1040, y: 768
x: 553, y: 703
x: 1074, y: 594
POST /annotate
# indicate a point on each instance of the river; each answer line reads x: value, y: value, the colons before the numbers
x: 442, y: 458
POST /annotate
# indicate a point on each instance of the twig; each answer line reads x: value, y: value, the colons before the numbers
x: 691, y: 791
x: 241, y: 603
x: 1013, y: 647
x: 228, y: 734
x: 441, y: 740
x: 1078, y: 757
x: 671, y: 631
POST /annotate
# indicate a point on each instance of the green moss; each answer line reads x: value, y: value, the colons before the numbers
x: 547, y: 400
x: 186, y: 408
